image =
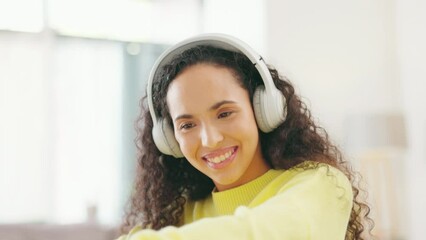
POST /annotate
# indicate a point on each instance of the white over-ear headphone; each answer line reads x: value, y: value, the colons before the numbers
x: 268, y: 102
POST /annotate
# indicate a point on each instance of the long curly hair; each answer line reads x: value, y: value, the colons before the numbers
x: 163, y: 183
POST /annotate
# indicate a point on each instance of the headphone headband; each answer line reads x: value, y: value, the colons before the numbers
x: 218, y: 40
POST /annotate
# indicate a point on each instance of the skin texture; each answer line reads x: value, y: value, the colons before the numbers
x: 213, y: 117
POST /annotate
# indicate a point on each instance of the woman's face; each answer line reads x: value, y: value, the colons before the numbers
x: 215, y: 126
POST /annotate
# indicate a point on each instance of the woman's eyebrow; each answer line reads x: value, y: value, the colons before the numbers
x: 218, y: 104
x: 185, y: 116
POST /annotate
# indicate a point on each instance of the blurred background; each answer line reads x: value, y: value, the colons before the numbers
x: 72, y: 73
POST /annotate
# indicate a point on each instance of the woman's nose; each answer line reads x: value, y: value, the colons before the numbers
x: 210, y: 136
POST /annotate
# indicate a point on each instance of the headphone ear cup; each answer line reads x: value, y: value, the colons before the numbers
x: 165, y: 140
x: 258, y: 109
x: 269, y: 109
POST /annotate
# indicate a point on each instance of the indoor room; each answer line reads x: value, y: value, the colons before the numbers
x: 72, y: 74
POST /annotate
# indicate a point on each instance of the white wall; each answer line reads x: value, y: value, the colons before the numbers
x: 339, y: 53
x: 411, y: 39
x: 240, y: 18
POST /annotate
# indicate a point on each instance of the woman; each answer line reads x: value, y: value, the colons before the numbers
x: 229, y: 151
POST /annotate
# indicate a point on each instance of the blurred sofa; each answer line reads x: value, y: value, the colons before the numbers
x: 56, y: 232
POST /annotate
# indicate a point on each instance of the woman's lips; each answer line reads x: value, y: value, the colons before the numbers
x: 221, y: 158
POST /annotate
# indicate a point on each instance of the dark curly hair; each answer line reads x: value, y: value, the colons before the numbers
x: 163, y: 183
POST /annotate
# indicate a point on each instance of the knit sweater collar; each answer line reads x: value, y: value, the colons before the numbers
x: 227, y: 201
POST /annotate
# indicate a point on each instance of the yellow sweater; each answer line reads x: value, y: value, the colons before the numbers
x: 293, y: 204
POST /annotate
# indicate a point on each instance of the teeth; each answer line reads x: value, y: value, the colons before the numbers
x: 220, y: 158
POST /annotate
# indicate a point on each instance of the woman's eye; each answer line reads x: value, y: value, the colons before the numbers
x: 186, y: 126
x: 224, y: 114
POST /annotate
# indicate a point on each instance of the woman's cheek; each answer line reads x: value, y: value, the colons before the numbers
x: 187, y: 146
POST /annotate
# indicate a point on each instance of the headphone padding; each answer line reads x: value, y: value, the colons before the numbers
x: 268, y: 109
x: 165, y: 140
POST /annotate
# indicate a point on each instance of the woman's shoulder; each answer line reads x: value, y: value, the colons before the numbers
x: 309, y: 169
x: 315, y: 175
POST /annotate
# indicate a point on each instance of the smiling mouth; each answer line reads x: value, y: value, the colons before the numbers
x: 222, y: 157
